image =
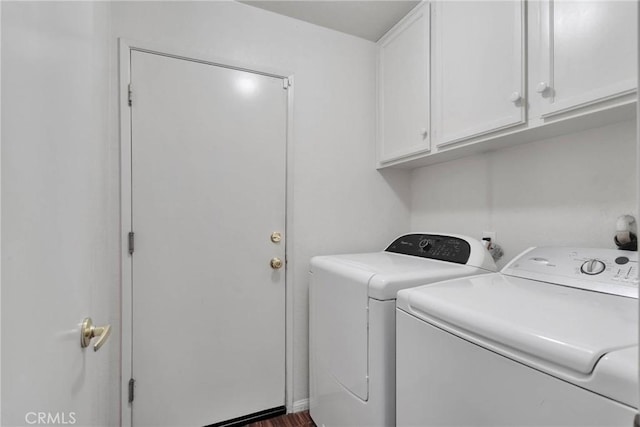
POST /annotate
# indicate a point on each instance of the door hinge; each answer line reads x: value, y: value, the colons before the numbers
x: 286, y: 83
x: 131, y: 241
x: 132, y: 384
x: 130, y: 95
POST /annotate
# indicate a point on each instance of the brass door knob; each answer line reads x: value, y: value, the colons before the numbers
x: 276, y: 237
x: 88, y: 331
x: 276, y: 263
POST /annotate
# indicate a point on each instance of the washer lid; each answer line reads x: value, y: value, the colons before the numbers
x: 616, y: 376
x: 555, y: 328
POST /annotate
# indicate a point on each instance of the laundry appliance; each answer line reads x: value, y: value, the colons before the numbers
x: 552, y: 340
x: 352, y: 321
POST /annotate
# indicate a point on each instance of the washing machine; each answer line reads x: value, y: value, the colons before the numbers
x: 551, y: 340
x: 352, y: 321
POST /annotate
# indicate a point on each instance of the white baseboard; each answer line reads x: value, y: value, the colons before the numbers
x: 300, y: 405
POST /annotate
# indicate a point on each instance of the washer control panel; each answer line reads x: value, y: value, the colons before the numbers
x: 443, y: 248
x: 610, y: 271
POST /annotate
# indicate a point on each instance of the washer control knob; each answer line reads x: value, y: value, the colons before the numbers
x: 593, y: 267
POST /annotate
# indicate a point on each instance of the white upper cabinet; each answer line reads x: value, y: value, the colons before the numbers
x: 588, y: 53
x: 403, y: 88
x: 478, y: 68
x: 462, y: 77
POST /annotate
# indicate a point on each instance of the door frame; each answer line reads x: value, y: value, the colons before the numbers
x: 126, y: 288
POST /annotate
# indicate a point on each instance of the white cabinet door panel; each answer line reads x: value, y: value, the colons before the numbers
x: 478, y: 68
x: 403, y: 89
x: 590, y: 54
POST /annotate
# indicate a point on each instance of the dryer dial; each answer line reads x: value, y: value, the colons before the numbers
x: 593, y: 267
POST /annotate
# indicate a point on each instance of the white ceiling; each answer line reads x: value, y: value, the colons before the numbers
x: 367, y: 19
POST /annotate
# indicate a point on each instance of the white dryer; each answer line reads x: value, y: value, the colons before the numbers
x: 352, y: 321
x: 552, y: 340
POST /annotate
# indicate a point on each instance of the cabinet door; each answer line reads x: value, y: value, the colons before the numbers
x: 403, y: 88
x: 478, y: 68
x: 589, y: 53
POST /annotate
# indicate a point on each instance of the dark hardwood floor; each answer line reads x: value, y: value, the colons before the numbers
x: 299, y: 419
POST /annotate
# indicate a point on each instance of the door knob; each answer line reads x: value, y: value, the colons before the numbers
x: 276, y: 263
x: 276, y: 237
x: 88, y: 331
x: 424, y: 133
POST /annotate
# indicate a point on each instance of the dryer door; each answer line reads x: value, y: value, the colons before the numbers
x: 338, y: 327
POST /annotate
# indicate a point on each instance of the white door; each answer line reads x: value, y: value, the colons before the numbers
x: 208, y: 164
x: 590, y: 53
x: 478, y: 68
x: 58, y: 254
x: 403, y: 88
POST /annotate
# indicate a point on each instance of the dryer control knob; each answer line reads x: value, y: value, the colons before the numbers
x: 593, y: 267
x: 424, y: 245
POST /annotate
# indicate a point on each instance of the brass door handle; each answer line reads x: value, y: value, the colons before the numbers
x: 89, y: 331
x: 276, y: 263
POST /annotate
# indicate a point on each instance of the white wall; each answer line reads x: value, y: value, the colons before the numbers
x: 60, y: 171
x: 567, y: 190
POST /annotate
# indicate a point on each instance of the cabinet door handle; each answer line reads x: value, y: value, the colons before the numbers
x: 542, y: 86
x: 424, y: 133
x: 515, y: 97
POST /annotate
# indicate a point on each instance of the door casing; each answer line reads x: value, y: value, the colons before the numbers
x: 125, y: 48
